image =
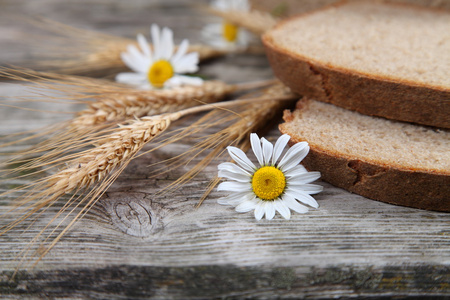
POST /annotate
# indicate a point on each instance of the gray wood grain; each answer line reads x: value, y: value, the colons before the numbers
x: 136, y: 243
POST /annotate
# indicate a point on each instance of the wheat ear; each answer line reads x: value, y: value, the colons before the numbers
x: 113, y: 152
x: 97, y: 167
x: 110, y: 106
x: 119, y: 147
x: 128, y: 103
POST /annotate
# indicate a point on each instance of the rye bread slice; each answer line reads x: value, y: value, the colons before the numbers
x: 389, y: 161
x: 389, y: 60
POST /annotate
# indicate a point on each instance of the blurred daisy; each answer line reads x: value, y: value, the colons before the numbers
x: 161, y: 66
x: 273, y: 186
x: 227, y: 35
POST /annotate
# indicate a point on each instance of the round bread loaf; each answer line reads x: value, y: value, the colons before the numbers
x: 380, y: 159
x: 380, y: 59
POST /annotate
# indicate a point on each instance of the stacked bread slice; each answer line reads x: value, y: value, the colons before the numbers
x: 383, y: 71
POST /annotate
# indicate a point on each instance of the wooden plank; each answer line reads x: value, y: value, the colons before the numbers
x: 137, y: 243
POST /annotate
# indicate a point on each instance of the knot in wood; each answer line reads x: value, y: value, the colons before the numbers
x: 132, y: 216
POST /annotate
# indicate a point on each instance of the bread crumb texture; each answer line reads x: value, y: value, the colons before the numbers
x: 400, y: 42
x: 348, y: 134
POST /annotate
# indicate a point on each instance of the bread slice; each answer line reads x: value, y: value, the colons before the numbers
x: 389, y: 60
x: 390, y: 161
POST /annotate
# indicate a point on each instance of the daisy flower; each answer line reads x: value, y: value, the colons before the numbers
x: 227, y: 35
x: 161, y: 66
x: 273, y: 186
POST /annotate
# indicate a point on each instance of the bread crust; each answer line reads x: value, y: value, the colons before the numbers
x: 413, y: 188
x: 364, y: 93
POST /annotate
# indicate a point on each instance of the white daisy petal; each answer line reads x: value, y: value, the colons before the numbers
x: 223, y: 201
x: 279, y: 147
x: 294, y: 205
x: 233, y: 186
x: 135, y: 64
x: 167, y: 43
x: 187, y: 63
x: 241, y: 197
x: 256, y: 147
x: 232, y: 168
x: 246, y: 206
x: 131, y: 78
x: 129, y: 62
x: 156, y: 41
x: 304, y: 177
x: 173, y: 82
x: 294, y: 156
x: 138, y: 58
x: 267, y: 148
x: 238, y: 201
x: 181, y: 51
x: 142, y: 41
x: 307, y: 188
x: 241, y: 159
x: 234, y: 176
x: 302, y: 197
x: 184, y: 80
x: 282, y: 209
x: 270, y: 210
x: 235, y: 198
x: 296, y: 171
x: 259, y: 211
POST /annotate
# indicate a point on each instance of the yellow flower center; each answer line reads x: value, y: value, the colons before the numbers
x: 229, y: 31
x: 159, y: 73
x: 268, y: 183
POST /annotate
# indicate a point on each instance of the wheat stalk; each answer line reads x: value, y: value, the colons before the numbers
x: 119, y: 147
x: 115, y: 102
x: 112, y: 104
x: 70, y: 50
x: 99, y: 167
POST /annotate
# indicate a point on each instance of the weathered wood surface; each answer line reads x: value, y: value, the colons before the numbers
x: 136, y: 243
